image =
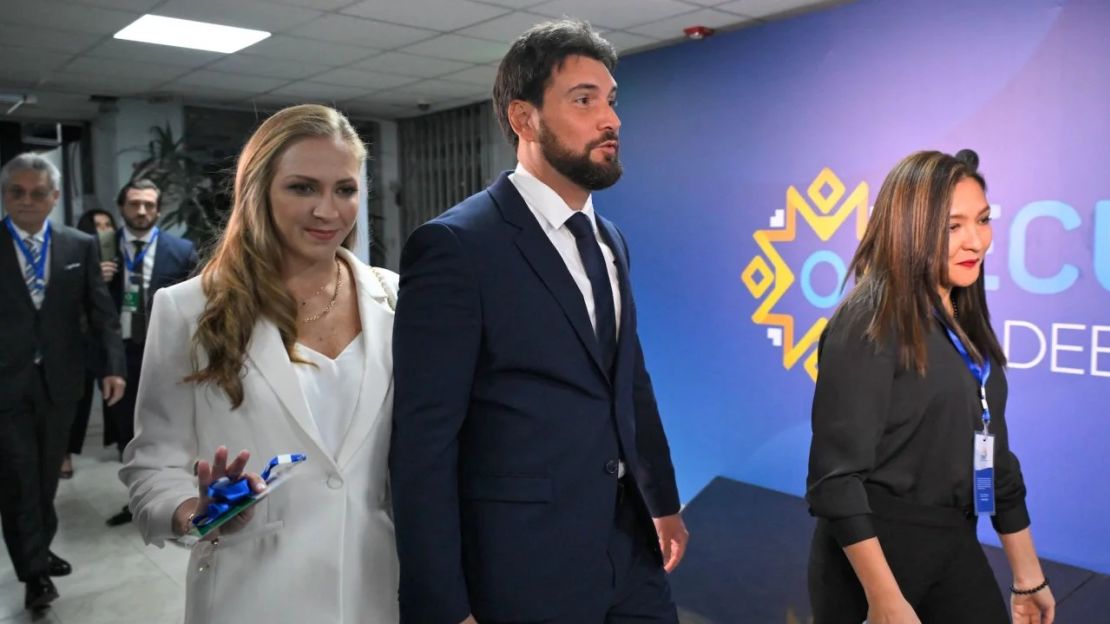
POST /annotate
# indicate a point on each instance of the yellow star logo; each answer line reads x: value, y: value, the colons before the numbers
x: 825, y: 215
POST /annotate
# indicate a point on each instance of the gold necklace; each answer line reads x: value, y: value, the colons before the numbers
x: 334, y: 296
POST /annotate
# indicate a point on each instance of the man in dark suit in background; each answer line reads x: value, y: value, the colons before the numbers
x: 531, y: 477
x: 49, y: 277
x: 150, y: 259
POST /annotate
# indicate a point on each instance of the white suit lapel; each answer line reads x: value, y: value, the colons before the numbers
x: 377, y: 336
x: 269, y: 357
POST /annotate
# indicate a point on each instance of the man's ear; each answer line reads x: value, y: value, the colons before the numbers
x: 523, y: 119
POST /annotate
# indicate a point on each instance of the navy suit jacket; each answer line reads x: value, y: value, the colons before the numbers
x: 507, y: 430
x: 175, y: 259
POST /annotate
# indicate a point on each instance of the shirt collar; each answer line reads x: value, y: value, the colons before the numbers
x: 546, y: 202
x: 38, y: 236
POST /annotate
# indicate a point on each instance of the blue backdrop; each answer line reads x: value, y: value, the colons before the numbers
x: 751, y: 159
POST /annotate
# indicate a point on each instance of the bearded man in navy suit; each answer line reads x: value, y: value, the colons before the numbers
x: 531, y: 477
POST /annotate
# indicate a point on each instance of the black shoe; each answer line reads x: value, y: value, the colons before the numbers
x: 58, y: 566
x: 40, y: 593
x: 120, y: 519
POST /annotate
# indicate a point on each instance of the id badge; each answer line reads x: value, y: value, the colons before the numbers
x: 983, y: 474
x: 131, y: 300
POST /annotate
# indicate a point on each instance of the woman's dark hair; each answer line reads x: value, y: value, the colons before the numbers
x: 87, y: 222
x: 527, y: 66
x: 902, y: 261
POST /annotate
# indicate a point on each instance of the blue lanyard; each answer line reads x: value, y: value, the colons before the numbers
x: 137, y: 261
x: 223, y: 494
x: 39, y: 267
x: 981, y: 373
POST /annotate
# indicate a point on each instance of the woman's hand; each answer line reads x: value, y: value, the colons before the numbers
x: 1038, y: 608
x: 209, y: 473
x: 108, y: 270
x: 893, y: 611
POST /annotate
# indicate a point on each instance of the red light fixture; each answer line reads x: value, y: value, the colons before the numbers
x: 697, y: 32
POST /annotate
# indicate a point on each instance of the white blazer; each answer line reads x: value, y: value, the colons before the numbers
x: 321, y: 547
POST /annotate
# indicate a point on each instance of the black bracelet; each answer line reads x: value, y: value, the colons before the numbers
x: 1027, y: 592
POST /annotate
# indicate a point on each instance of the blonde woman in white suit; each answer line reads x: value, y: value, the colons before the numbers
x: 282, y: 345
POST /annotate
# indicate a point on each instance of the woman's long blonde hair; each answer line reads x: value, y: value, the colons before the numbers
x: 242, y: 282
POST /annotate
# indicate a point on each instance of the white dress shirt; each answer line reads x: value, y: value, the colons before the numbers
x: 38, y: 236
x: 552, y: 213
x: 127, y: 250
x: 331, y: 389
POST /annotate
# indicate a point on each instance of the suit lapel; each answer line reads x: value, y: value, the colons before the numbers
x: 547, y: 264
x: 612, y: 238
x: 60, y: 245
x: 269, y: 357
x: 377, y: 337
x: 626, y: 333
x: 10, y: 270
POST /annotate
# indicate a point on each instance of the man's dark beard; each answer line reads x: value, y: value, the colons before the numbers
x: 578, y: 168
x: 131, y: 225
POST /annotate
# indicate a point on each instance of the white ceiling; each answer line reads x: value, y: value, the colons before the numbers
x: 371, y: 58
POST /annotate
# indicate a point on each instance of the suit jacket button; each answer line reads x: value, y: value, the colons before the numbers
x: 335, y: 482
x: 611, y: 466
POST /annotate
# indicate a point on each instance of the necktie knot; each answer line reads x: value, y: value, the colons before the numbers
x: 579, y: 225
x: 138, y: 244
x: 33, y: 245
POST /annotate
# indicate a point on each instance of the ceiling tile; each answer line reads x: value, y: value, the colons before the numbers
x: 300, y: 49
x: 366, y: 80
x: 242, y: 13
x: 46, y: 38
x: 95, y: 66
x: 240, y: 63
x: 624, y: 41
x: 153, y: 53
x: 138, y: 6
x: 671, y: 28
x: 320, y: 5
x: 512, y: 4
x: 363, y: 32
x: 505, y: 28
x: 480, y: 75
x: 110, y: 84
x: 234, y: 82
x: 767, y: 8
x: 12, y: 78
x: 457, y: 48
x: 319, y: 92
x: 28, y: 59
x: 614, y: 13
x: 427, y: 13
x: 441, y: 89
x: 79, y: 17
x: 411, y: 65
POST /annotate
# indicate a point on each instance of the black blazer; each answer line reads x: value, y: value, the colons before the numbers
x: 75, y: 288
x: 175, y: 259
x: 507, y: 430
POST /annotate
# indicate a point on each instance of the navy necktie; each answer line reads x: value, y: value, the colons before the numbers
x: 594, y: 261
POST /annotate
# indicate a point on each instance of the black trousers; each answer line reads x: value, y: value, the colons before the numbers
x: 120, y: 418
x: 935, y: 557
x: 81, y: 416
x: 639, y: 593
x: 34, y: 433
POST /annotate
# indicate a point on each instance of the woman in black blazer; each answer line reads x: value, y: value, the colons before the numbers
x: 911, y: 393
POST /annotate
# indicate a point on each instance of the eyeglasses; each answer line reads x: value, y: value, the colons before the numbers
x: 18, y: 192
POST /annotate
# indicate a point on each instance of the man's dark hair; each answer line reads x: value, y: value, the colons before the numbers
x: 527, y: 67
x: 141, y: 184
